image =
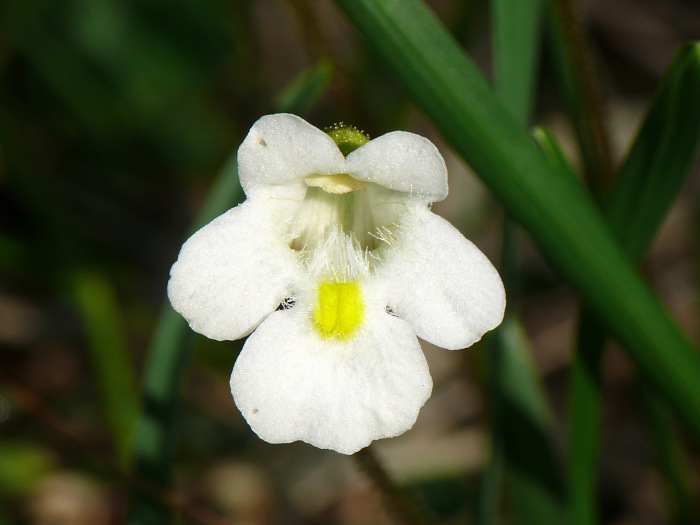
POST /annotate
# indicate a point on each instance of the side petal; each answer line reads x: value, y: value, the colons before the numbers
x: 292, y: 385
x: 404, y: 162
x: 283, y: 147
x: 232, y: 273
x: 440, y: 283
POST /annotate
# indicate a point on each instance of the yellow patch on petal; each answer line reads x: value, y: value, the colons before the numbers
x: 339, y: 309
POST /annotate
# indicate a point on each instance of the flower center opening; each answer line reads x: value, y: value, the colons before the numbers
x: 322, y: 211
x: 339, y: 309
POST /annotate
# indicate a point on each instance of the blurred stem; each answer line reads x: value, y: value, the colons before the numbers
x: 492, y: 480
x: 517, y: 406
x: 587, y: 108
x: 491, y: 483
x: 648, y: 181
x: 402, y: 508
x: 156, y: 434
x: 664, y: 433
x: 314, y: 31
x: 495, y: 355
x: 582, y: 85
x: 583, y: 414
x: 109, y: 357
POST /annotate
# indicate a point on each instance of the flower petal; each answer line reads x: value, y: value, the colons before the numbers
x: 283, y: 147
x: 404, y: 162
x: 233, y: 272
x: 291, y: 385
x: 440, y: 283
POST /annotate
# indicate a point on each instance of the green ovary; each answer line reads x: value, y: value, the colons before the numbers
x: 339, y: 309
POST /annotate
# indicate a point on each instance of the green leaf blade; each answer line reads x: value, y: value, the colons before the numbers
x: 522, y: 427
x: 156, y: 435
x: 109, y: 356
x: 660, y: 156
x: 554, y: 209
x: 649, y: 180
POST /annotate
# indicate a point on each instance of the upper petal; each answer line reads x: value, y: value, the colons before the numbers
x: 233, y: 272
x: 404, y: 162
x: 441, y: 283
x: 291, y: 385
x: 283, y: 147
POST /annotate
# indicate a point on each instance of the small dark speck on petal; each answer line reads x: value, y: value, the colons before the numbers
x: 255, y: 411
x: 262, y: 142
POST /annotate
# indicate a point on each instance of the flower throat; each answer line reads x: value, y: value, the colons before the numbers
x: 334, y: 223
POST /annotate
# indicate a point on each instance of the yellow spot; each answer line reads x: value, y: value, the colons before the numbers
x: 339, y: 309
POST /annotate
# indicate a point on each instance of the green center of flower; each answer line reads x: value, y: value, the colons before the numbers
x: 339, y: 309
x: 347, y: 137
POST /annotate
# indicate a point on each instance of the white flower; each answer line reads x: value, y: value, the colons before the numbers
x: 335, y: 264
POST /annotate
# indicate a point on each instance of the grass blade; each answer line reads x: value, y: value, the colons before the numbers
x: 583, y: 421
x: 156, y: 435
x: 516, y: 39
x: 109, y: 356
x: 523, y: 425
x: 552, y: 150
x: 580, y: 85
x: 554, y: 209
x: 584, y: 384
x: 518, y: 406
x: 672, y: 462
x: 660, y: 156
x: 649, y: 180
x: 301, y: 94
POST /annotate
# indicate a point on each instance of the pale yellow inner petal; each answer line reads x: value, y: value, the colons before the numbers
x: 337, y: 184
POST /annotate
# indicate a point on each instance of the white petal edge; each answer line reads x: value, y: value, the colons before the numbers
x: 233, y: 272
x: 291, y: 385
x: 404, y: 162
x: 440, y: 283
x: 282, y: 148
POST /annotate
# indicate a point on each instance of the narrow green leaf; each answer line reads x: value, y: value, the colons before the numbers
x: 516, y: 43
x: 306, y: 89
x: 523, y: 426
x: 660, y: 156
x: 672, y: 462
x: 583, y: 421
x: 518, y: 407
x: 109, y: 356
x: 584, y: 381
x: 584, y: 384
x: 156, y: 432
x: 552, y: 150
x: 649, y: 180
x: 576, y: 71
x: 553, y: 208
x: 156, y: 436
